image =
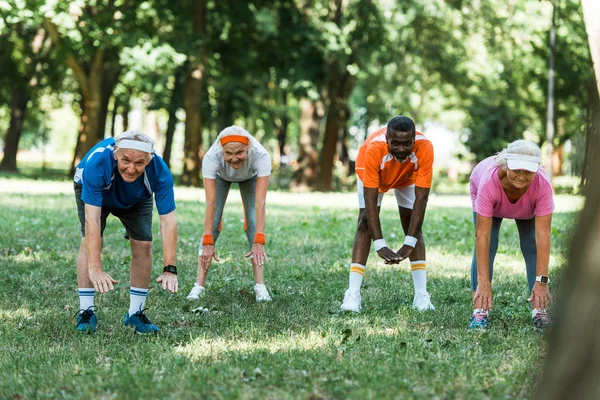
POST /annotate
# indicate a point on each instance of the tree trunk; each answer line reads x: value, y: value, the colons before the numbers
x: 282, y: 126
x: 192, y: 105
x: 110, y: 79
x: 113, y: 118
x: 591, y: 16
x: 18, y: 107
x: 550, y: 110
x: 339, y: 89
x: 225, y: 110
x: 126, y: 108
x: 174, y: 105
x: 573, y: 361
x: 91, y: 111
x: 592, y: 128
x: 558, y: 158
x: 311, y: 114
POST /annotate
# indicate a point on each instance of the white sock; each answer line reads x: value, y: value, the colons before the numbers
x: 479, y: 311
x: 86, y: 298
x: 419, y: 275
x: 137, y: 298
x: 357, y: 272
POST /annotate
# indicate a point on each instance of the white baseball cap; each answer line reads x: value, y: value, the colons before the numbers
x: 521, y: 161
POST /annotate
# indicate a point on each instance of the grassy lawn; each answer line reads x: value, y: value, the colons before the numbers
x: 295, y: 347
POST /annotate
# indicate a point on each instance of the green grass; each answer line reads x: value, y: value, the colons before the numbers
x: 295, y: 347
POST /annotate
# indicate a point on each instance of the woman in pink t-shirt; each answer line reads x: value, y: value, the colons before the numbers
x: 513, y: 185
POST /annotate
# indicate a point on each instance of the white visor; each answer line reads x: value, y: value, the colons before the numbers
x: 135, y: 145
x: 520, y: 161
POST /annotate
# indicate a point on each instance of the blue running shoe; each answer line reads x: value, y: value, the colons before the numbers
x: 479, y: 320
x: 541, y: 320
x: 86, y: 320
x: 141, y: 322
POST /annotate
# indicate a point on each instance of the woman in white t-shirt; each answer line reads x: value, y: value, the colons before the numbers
x: 235, y: 156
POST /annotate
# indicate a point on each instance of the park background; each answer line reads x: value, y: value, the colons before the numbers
x: 310, y: 79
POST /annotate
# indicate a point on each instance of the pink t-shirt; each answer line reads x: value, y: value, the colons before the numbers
x: 489, y: 200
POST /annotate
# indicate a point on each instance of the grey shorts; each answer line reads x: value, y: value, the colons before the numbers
x: 137, y: 219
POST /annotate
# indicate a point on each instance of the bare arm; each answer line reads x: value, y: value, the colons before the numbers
x: 262, y: 184
x: 540, y: 294
x: 102, y: 281
x: 483, y: 296
x: 371, y: 195
x: 372, y: 213
x: 168, y: 233
x: 208, y: 250
x: 542, y: 240
x: 258, y: 252
x: 92, y: 236
x: 210, y: 190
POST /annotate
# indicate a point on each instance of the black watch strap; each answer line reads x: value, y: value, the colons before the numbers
x: 170, y: 268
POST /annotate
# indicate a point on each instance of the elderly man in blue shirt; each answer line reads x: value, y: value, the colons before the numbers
x: 120, y: 176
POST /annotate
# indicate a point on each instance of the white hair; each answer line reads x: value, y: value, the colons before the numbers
x: 522, y: 147
x: 137, y: 136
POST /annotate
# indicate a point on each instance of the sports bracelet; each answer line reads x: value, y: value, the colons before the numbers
x: 207, y: 238
x: 410, y: 241
x: 260, y: 238
x: 379, y: 244
x: 170, y: 268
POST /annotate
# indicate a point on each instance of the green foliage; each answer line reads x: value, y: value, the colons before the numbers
x: 479, y: 68
x: 227, y: 346
x: 511, y: 74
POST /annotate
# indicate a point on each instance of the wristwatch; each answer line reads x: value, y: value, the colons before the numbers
x: 542, y: 279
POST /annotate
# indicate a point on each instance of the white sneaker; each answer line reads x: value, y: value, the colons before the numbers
x: 196, y: 292
x: 262, y: 294
x: 351, y: 301
x: 422, y: 302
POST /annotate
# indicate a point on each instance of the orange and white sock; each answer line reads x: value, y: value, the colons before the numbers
x: 357, y: 271
x: 419, y: 275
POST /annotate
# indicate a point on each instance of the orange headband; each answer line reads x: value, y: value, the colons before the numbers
x: 234, y: 138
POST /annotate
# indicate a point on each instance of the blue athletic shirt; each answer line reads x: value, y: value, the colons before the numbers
x: 102, y: 185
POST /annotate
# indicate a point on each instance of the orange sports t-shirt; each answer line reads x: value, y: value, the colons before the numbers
x: 377, y: 168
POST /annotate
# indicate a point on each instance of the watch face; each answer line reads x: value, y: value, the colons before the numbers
x: 544, y: 279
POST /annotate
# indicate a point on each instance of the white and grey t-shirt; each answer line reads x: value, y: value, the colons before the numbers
x: 258, y: 163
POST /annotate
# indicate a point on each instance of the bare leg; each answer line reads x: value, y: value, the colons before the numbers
x: 201, y: 279
x: 83, y: 277
x: 418, y: 253
x: 259, y: 273
x: 362, y: 239
x: 141, y: 263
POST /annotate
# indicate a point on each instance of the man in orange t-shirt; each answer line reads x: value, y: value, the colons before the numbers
x: 396, y: 157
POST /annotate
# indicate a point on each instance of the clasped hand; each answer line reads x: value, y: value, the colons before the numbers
x: 391, y: 257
